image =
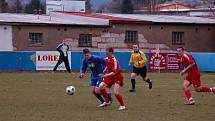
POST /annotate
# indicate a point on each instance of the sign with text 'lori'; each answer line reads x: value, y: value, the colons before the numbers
x: 46, y: 60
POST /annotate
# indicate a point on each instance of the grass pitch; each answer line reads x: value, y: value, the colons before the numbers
x: 40, y: 96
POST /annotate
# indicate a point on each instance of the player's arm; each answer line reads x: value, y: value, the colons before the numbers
x: 187, y: 68
x: 103, y: 63
x: 83, y: 69
x: 105, y: 70
x: 113, y: 70
x: 191, y: 64
x: 143, y: 59
x: 109, y: 74
x: 131, y: 59
x: 67, y: 47
x: 58, y: 47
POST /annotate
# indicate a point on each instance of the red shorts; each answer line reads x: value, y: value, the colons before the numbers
x: 194, y: 79
x: 109, y: 81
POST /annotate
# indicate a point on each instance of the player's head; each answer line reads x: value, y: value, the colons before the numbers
x: 87, y: 54
x: 109, y: 51
x: 180, y: 51
x: 64, y: 42
x: 135, y: 47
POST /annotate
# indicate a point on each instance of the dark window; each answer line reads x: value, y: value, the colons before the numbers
x: 35, y: 38
x: 85, y: 40
x: 178, y: 38
x: 131, y: 36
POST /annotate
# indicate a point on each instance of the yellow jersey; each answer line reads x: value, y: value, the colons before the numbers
x: 138, y: 58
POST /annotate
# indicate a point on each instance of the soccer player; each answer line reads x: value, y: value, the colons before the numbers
x: 96, y: 65
x: 138, y: 59
x: 193, y: 76
x: 112, y: 76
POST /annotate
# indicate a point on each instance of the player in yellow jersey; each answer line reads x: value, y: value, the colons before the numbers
x: 138, y: 59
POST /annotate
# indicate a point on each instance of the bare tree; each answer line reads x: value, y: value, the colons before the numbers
x: 17, y: 8
x: 3, y: 6
x: 152, y: 6
x: 208, y: 4
x: 88, y: 6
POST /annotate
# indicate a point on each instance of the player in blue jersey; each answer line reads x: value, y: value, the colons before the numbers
x: 96, y: 65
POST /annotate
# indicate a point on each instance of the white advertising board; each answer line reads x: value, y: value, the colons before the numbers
x: 46, y: 60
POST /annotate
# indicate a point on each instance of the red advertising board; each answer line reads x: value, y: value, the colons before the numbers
x: 163, y: 61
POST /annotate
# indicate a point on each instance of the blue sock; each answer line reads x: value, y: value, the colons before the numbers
x: 110, y: 97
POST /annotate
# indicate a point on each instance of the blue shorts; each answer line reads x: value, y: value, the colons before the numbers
x: 95, y: 81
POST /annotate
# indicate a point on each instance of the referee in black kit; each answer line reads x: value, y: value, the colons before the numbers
x: 63, y: 50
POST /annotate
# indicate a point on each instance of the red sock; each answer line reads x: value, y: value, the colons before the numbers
x: 206, y: 89
x: 105, y: 95
x: 120, y: 100
x: 188, y: 94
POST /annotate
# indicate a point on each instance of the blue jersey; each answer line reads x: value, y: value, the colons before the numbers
x: 96, y: 65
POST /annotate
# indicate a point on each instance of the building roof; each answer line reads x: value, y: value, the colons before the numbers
x: 176, y: 5
x: 167, y: 18
x: 53, y: 19
x: 101, y: 19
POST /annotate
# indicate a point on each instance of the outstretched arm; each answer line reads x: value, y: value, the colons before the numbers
x: 83, y: 69
x: 187, y: 68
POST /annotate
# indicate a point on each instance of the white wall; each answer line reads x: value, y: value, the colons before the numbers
x: 6, y: 38
x: 74, y: 6
x: 65, y: 5
x: 193, y: 13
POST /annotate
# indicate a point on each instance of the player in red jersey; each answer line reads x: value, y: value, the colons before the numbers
x: 193, y: 76
x: 112, y: 76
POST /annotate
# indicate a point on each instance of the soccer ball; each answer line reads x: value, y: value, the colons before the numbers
x: 70, y: 90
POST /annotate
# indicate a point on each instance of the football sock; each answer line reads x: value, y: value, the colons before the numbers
x: 133, y: 83
x: 110, y: 97
x: 148, y: 80
x: 99, y: 97
x: 119, y: 98
x: 206, y: 89
x: 105, y: 95
x: 188, y: 94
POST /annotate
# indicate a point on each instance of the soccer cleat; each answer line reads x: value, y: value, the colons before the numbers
x: 121, y: 108
x: 132, y: 90
x: 192, y: 102
x: 104, y: 104
x: 150, y: 84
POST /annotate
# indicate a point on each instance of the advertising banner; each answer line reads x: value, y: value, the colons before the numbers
x: 46, y: 60
x: 163, y: 61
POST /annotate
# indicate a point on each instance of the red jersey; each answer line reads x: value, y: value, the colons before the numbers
x: 186, y: 60
x: 112, y: 65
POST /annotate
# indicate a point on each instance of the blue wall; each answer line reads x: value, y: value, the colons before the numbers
x: 25, y: 61
x: 17, y: 61
x: 205, y: 61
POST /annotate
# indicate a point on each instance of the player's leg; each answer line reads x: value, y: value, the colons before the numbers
x: 197, y: 85
x: 93, y: 84
x: 96, y: 81
x: 97, y: 95
x: 133, y: 82
x: 66, y: 63
x: 187, y: 92
x: 104, y: 93
x: 143, y: 74
x: 119, y: 96
x: 58, y: 63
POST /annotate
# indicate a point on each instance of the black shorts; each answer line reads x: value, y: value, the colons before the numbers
x: 140, y: 71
